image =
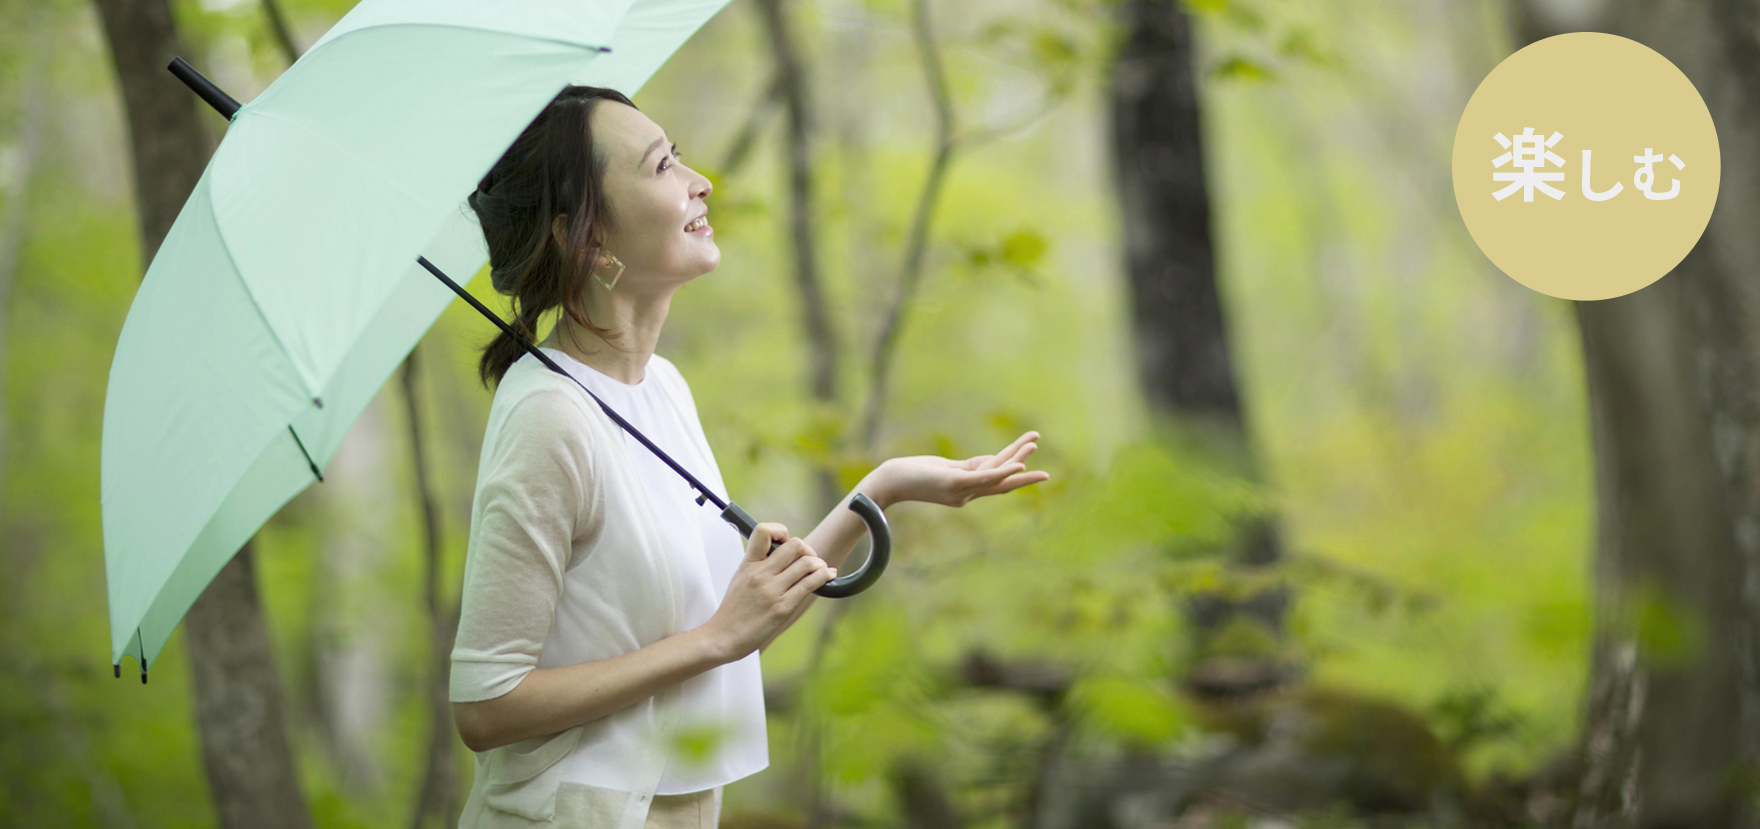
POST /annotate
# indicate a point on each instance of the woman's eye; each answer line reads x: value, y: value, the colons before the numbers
x: 675, y: 154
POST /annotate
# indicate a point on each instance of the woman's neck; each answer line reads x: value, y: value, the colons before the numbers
x: 636, y: 319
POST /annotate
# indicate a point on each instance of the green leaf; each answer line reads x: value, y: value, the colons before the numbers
x: 1241, y: 69
x: 1023, y: 248
x: 699, y: 742
x: 1053, y: 49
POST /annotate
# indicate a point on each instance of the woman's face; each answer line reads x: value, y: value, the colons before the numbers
x: 652, y: 198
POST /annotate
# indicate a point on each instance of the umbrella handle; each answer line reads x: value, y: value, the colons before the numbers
x: 879, y: 553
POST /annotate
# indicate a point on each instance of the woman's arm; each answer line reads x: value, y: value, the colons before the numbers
x: 548, y: 700
x: 919, y: 478
x: 836, y: 536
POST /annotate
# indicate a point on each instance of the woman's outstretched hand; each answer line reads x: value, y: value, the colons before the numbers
x: 939, y: 480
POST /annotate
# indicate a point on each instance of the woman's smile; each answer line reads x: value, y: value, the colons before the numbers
x: 700, y: 225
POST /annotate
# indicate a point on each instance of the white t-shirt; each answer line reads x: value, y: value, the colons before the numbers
x: 583, y: 549
x: 728, y: 699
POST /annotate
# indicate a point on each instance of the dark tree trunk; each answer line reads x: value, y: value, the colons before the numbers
x: 238, y: 705
x: 1665, y: 547
x: 1672, y: 713
x: 170, y: 147
x: 1182, y: 349
x: 237, y: 696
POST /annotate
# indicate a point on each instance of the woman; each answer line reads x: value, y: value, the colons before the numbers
x: 605, y: 613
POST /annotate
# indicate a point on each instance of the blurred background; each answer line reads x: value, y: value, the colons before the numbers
x: 1344, y: 528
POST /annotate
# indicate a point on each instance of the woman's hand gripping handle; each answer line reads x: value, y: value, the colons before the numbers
x: 777, y: 576
x: 879, y: 549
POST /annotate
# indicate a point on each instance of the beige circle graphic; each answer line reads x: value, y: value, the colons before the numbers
x: 1623, y: 104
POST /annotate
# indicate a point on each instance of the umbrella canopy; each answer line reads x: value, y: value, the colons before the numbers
x: 288, y: 289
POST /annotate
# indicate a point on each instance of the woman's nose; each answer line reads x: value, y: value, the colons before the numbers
x: 706, y: 188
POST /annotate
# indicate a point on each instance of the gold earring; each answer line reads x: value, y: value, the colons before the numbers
x: 613, y: 282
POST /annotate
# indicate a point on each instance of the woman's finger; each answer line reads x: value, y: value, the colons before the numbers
x: 806, y: 563
x: 795, y: 594
x: 1008, y: 452
x: 1018, y: 480
x: 1015, y: 480
x: 984, y: 478
x: 787, y: 554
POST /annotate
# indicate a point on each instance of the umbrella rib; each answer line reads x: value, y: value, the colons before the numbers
x: 302, y: 450
x: 142, y: 642
x: 226, y: 246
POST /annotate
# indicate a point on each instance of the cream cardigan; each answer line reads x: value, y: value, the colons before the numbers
x: 553, y: 466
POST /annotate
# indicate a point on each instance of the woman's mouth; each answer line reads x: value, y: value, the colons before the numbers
x: 699, y: 225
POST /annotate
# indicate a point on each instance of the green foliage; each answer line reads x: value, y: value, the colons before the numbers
x: 1434, y: 471
x: 1431, y: 469
x: 1473, y: 714
x: 1018, y: 253
x: 1132, y: 710
x: 1260, y: 42
x: 872, y: 694
x: 1052, y: 47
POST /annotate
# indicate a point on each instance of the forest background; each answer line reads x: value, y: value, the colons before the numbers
x: 1417, y: 423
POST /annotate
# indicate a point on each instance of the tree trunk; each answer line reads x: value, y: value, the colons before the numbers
x: 238, y: 705
x: 237, y: 696
x: 793, y: 87
x: 438, y: 795
x: 1672, y: 719
x: 1183, y: 357
x: 170, y: 147
x: 1657, y: 738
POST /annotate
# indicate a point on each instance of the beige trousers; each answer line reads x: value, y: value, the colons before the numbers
x: 692, y: 810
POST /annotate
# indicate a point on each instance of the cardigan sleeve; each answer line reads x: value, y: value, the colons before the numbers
x: 530, y: 511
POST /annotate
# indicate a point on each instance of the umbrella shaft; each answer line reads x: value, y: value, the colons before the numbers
x: 545, y: 359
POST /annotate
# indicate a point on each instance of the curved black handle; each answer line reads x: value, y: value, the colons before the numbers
x: 849, y: 584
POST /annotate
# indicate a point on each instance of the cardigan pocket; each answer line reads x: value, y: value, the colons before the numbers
x: 512, y: 783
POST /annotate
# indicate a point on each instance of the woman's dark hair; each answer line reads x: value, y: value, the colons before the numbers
x: 551, y: 170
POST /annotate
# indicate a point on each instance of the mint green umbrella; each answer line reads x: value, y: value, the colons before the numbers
x: 289, y: 287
